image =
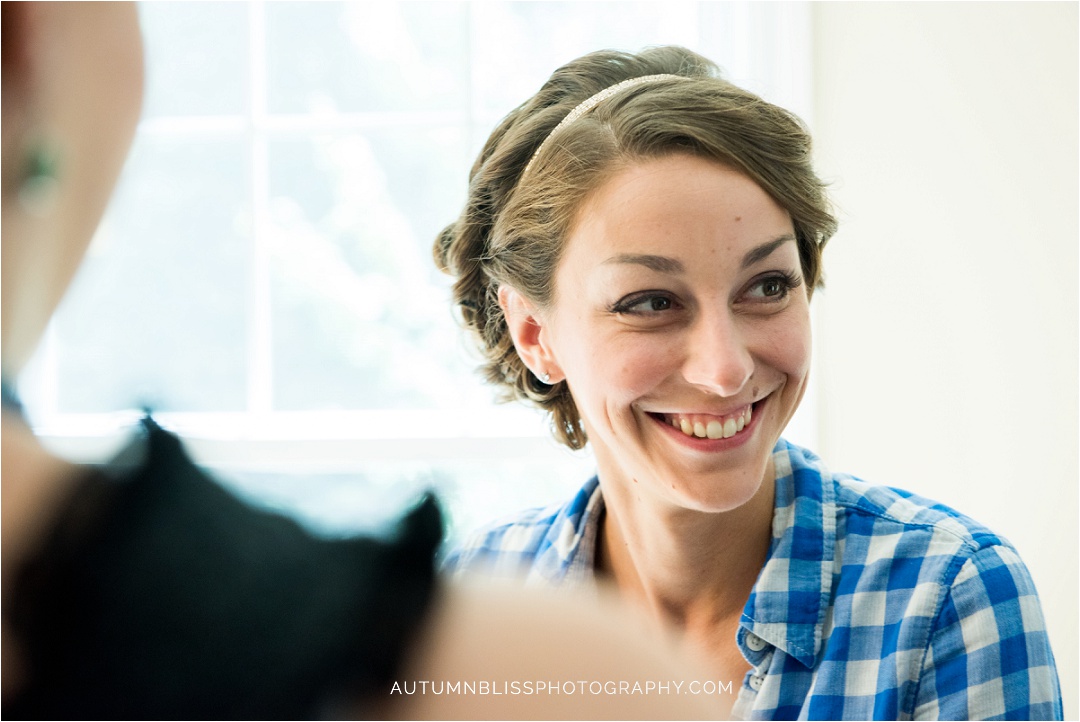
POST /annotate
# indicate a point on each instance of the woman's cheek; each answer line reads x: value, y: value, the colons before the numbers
x: 786, y: 344
x: 641, y: 364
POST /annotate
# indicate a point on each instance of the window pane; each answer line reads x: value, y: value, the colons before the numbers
x: 157, y: 312
x: 361, y: 316
x: 521, y: 43
x: 361, y: 56
x: 196, y: 58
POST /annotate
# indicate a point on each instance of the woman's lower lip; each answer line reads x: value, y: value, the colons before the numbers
x: 706, y: 444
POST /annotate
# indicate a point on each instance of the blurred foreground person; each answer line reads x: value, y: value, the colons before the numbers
x: 142, y: 589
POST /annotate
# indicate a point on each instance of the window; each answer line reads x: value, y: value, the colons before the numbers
x: 263, y: 279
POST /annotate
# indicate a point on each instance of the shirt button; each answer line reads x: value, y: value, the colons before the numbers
x: 755, y: 682
x: 754, y: 642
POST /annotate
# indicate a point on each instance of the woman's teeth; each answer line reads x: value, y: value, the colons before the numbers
x: 711, y: 427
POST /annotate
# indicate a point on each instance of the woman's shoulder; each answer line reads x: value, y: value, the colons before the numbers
x: 904, y: 573
x: 890, y: 540
x: 513, y: 544
x: 871, y: 509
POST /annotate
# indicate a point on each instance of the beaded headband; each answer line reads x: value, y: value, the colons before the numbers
x: 590, y: 103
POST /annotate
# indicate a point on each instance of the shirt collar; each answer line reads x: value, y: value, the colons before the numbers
x: 790, y: 599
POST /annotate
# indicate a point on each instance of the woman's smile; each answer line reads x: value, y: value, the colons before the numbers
x: 712, y: 432
x: 711, y: 427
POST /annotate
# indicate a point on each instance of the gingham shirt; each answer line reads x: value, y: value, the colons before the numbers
x: 874, y: 603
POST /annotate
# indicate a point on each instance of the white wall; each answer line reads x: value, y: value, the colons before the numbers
x: 948, y: 330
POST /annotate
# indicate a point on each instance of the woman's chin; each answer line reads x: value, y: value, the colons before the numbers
x: 713, y: 496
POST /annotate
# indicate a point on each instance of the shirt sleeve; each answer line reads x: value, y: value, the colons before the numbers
x: 989, y: 655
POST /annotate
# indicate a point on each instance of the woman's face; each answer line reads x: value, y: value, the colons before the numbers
x: 681, y: 325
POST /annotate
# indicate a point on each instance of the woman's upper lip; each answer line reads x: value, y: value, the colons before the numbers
x: 708, y: 411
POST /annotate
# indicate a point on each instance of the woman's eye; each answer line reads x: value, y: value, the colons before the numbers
x: 641, y: 305
x: 773, y: 288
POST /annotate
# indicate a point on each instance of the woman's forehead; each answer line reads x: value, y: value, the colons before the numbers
x: 676, y: 203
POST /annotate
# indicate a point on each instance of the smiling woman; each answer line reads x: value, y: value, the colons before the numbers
x: 637, y: 257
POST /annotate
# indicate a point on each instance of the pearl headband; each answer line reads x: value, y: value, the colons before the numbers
x: 590, y: 103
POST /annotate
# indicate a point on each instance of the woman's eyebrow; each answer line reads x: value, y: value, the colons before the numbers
x: 765, y: 250
x: 660, y: 264
x: 666, y: 264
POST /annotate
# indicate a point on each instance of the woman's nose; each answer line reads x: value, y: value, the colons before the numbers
x: 718, y: 358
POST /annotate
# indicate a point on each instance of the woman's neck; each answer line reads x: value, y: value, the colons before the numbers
x: 693, y: 569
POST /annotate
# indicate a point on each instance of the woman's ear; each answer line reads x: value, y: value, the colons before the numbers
x: 529, y: 335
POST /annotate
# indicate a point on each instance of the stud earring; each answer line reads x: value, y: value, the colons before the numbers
x: 545, y: 378
x: 39, y: 188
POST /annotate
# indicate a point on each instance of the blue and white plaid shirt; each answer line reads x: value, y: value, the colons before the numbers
x: 873, y: 603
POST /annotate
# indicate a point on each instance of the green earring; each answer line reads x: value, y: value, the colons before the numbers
x: 39, y: 188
